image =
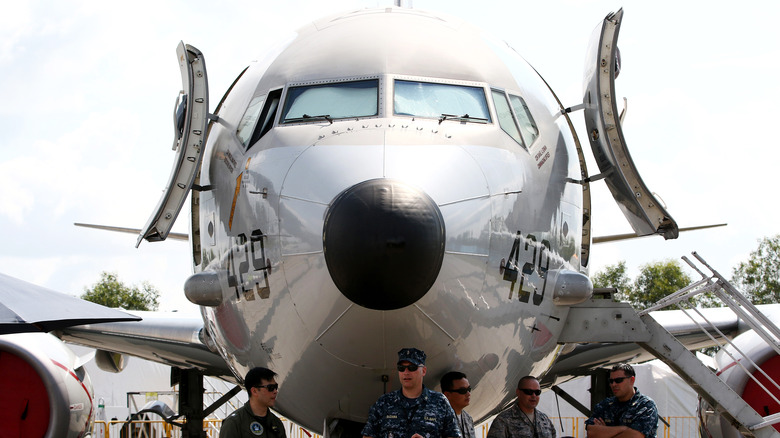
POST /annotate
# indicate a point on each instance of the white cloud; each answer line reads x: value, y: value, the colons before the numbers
x: 88, y: 90
x: 15, y: 22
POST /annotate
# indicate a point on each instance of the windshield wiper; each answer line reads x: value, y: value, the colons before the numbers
x: 308, y: 118
x: 463, y: 118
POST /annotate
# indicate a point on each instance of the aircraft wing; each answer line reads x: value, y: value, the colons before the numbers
x: 173, y: 236
x: 629, y: 236
x: 169, y: 338
x: 173, y: 338
x: 25, y: 307
x: 579, y: 359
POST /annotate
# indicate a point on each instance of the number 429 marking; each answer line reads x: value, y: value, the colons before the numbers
x: 538, y: 265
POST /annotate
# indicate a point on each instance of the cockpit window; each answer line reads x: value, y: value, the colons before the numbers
x: 442, y: 101
x: 528, y: 128
x: 247, y: 124
x: 259, y: 116
x: 505, y: 118
x: 331, y: 101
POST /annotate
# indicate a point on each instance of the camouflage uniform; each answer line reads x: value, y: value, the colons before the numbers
x: 466, y: 425
x: 395, y: 416
x: 639, y: 413
x: 514, y: 423
x: 242, y: 423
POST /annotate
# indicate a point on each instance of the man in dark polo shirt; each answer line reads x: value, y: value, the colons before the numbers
x: 255, y: 419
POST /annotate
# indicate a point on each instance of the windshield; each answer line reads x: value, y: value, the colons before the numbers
x: 425, y: 99
x: 336, y: 101
x: 527, y: 125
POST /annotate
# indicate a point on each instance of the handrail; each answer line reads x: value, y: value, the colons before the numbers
x: 679, y: 427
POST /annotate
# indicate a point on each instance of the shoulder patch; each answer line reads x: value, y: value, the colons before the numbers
x: 256, y: 428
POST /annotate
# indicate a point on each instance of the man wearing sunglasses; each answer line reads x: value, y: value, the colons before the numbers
x: 628, y: 414
x: 523, y: 420
x: 255, y: 419
x: 413, y: 411
x: 456, y: 388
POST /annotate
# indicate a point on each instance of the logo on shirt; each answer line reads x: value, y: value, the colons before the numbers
x: 256, y: 428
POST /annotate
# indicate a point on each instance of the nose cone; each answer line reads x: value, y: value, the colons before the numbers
x: 384, y: 243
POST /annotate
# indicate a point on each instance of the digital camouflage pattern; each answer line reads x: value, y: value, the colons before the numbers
x: 466, y: 425
x: 513, y: 423
x: 639, y: 413
x: 411, y: 355
x: 395, y: 416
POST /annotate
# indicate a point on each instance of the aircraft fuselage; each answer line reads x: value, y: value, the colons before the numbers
x: 385, y: 179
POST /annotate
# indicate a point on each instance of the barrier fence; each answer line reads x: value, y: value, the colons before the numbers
x: 679, y: 427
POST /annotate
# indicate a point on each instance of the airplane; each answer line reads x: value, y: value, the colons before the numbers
x: 354, y: 196
x: 53, y: 394
x: 749, y: 366
x: 51, y: 390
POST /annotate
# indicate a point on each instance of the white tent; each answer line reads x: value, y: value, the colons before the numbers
x: 655, y: 379
x: 151, y: 381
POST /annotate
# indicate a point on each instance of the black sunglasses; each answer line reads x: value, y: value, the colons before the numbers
x: 410, y: 367
x: 531, y: 391
x: 462, y: 391
x: 271, y: 387
x: 617, y: 380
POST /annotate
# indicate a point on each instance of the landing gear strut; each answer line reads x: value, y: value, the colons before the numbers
x: 191, y: 401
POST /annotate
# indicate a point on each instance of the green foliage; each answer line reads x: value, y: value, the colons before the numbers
x: 111, y: 292
x: 759, y: 277
x: 655, y: 281
x: 614, y: 276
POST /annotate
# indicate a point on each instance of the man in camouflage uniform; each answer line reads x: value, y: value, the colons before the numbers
x: 628, y: 414
x: 455, y: 386
x: 523, y: 420
x: 255, y: 419
x: 413, y: 411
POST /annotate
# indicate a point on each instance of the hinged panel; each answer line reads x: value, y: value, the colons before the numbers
x: 638, y: 204
x: 190, y: 120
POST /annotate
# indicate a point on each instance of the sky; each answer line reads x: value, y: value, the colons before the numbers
x: 87, y: 90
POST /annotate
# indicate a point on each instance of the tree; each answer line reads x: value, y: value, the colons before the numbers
x: 111, y: 292
x: 759, y: 277
x: 655, y: 281
x: 614, y: 276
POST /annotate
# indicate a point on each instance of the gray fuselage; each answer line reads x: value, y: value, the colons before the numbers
x: 352, y: 109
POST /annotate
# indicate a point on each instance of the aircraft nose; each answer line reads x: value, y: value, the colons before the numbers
x: 384, y: 243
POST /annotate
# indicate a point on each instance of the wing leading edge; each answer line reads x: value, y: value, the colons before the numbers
x: 25, y: 307
x: 173, y: 339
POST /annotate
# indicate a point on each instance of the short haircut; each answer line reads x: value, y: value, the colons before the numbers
x: 255, y: 377
x: 626, y: 368
x: 524, y: 379
x: 447, y: 379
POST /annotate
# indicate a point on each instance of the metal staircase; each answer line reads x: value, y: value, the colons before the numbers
x: 602, y: 320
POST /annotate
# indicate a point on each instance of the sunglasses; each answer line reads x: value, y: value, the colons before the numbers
x: 462, y: 391
x: 271, y: 387
x: 617, y: 380
x: 411, y: 367
x: 531, y: 391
